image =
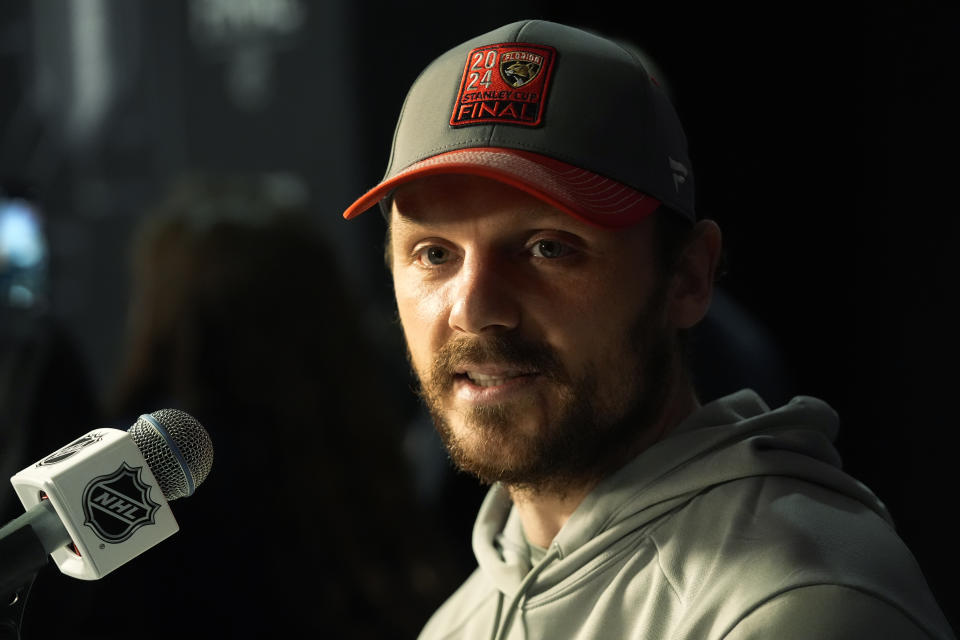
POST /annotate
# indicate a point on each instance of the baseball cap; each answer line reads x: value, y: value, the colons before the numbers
x: 562, y: 113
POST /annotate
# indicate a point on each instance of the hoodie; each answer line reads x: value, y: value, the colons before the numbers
x: 739, y: 525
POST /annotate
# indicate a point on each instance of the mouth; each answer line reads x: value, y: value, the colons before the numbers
x: 491, y: 376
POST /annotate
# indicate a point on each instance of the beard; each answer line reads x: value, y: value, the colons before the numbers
x: 599, y: 421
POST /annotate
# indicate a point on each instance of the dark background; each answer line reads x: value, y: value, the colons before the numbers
x: 821, y: 134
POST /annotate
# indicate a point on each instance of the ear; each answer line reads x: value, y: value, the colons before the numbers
x: 692, y: 282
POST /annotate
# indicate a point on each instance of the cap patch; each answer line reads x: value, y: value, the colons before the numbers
x: 504, y: 84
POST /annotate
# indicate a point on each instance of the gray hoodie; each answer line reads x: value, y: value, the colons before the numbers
x: 739, y: 525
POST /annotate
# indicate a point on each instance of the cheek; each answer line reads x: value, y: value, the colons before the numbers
x: 593, y: 327
x: 422, y: 317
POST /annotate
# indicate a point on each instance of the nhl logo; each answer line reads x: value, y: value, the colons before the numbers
x: 117, y: 504
x: 72, y: 448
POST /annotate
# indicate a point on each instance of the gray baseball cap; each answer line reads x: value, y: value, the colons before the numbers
x: 564, y: 114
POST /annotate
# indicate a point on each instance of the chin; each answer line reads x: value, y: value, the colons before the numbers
x: 489, y: 445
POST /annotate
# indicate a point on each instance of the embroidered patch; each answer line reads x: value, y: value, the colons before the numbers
x: 504, y: 84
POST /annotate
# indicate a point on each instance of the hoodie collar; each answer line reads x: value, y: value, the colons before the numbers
x: 734, y: 437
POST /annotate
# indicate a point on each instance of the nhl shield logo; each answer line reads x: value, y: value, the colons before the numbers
x: 117, y: 504
x: 72, y: 448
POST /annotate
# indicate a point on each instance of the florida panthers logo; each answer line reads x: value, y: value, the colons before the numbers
x: 519, y: 67
x: 117, y: 504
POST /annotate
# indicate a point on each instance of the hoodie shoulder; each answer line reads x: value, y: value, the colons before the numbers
x: 842, y: 613
x: 758, y: 538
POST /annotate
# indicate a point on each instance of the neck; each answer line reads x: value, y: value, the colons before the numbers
x: 545, y: 510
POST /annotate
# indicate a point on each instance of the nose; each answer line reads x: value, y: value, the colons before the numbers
x: 483, y: 299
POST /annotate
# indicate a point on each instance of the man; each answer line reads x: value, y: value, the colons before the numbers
x: 547, y: 262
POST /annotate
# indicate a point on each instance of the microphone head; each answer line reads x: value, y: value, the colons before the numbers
x: 177, y: 449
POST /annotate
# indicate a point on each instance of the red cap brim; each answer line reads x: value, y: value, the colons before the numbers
x: 582, y: 194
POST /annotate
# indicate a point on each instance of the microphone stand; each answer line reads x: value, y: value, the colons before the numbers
x: 23, y: 554
x: 14, y: 604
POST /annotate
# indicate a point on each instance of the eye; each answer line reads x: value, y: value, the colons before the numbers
x: 550, y: 249
x: 433, y: 255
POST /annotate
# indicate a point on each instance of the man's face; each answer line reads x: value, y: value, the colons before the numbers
x: 540, y: 342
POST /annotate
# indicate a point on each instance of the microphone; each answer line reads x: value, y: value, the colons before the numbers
x: 103, y: 499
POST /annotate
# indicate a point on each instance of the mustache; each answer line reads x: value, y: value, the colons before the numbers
x: 507, y: 350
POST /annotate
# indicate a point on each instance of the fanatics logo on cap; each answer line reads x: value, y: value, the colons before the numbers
x: 504, y: 84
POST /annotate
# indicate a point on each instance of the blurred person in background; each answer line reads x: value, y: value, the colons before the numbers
x: 238, y: 316
x: 47, y: 394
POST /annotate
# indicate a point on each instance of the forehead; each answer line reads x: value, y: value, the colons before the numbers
x: 455, y: 199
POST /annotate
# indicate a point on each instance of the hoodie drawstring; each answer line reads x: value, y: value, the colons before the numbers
x: 496, y: 617
x: 521, y: 592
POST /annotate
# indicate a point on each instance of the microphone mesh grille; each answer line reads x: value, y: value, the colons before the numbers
x: 191, y: 439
